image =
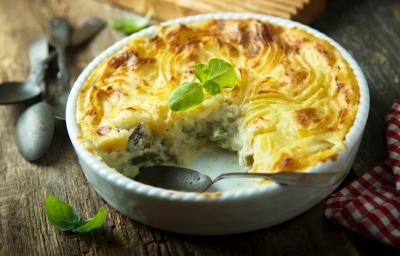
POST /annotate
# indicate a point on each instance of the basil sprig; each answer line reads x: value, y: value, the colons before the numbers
x: 185, y: 96
x: 216, y: 75
x: 65, y: 218
x: 131, y: 23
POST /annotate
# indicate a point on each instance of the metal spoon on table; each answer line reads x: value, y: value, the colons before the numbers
x: 17, y: 92
x: 184, y: 179
x: 35, y: 126
x: 62, y: 38
x: 60, y: 31
x: 20, y: 91
x: 86, y: 32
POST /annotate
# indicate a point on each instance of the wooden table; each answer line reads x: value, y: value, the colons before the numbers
x: 370, y: 30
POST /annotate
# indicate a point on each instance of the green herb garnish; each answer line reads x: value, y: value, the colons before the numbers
x: 185, y: 96
x: 216, y: 75
x: 65, y: 218
x: 131, y: 23
x: 221, y: 73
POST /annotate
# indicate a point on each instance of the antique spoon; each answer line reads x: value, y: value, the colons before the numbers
x: 34, y: 130
x: 60, y: 31
x: 35, y: 126
x: 13, y: 92
x: 17, y: 92
x: 86, y: 32
x: 184, y: 179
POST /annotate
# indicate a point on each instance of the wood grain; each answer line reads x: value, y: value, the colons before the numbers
x: 370, y: 30
x: 301, y: 10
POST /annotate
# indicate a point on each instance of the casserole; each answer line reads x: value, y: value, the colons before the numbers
x: 242, y: 205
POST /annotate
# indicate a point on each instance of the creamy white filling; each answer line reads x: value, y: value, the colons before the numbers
x: 219, y: 127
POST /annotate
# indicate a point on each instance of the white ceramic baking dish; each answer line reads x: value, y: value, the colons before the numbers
x: 243, y: 205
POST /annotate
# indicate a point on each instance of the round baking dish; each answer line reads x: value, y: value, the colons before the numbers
x: 234, y: 211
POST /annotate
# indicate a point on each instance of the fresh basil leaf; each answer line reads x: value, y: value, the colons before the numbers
x: 92, y: 223
x: 60, y: 214
x: 131, y: 23
x: 64, y: 217
x: 221, y: 72
x: 200, y: 72
x: 212, y: 87
x: 185, y: 96
x: 216, y: 75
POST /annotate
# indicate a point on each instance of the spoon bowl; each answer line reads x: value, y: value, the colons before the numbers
x: 17, y: 92
x: 185, y: 179
x: 174, y: 178
x: 35, y: 128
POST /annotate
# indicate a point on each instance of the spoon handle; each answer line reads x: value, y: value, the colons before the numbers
x: 38, y: 59
x: 60, y: 33
x: 63, y: 73
x: 289, y: 178
x: 38, y: 51
x: 86, y: 32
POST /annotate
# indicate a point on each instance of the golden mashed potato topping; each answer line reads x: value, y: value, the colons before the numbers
x: 294, y: 101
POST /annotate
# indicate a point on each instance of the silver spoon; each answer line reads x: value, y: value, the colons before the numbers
x: 13, y: 92
x: 184, y: 179
x: 35, y: 129
x: 61, y: 39
x: 17, y: 92
x: 87, y: 31
x: 60, y: 31
x: 35, y: 126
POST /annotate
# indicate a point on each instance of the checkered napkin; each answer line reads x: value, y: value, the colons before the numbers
x: 371, y: 204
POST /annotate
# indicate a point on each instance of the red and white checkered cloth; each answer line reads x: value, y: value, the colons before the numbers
x: 371, y: 204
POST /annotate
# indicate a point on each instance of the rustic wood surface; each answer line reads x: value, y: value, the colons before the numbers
x: 301, y: 10
x: 370, y: 30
